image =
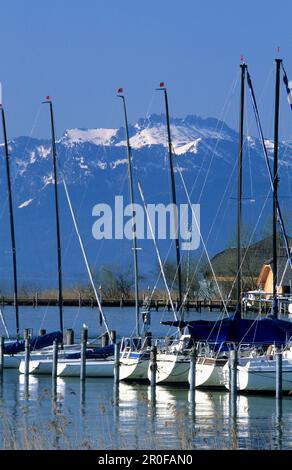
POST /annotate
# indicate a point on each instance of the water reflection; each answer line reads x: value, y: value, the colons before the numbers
x: 28, y: 387
x: 132, y: 416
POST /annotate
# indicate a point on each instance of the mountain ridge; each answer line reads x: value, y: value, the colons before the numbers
x: 94, y: 164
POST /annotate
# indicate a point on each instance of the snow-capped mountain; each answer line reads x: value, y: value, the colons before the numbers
x: 94, y: 164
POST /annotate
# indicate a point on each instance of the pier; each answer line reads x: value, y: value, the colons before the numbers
x: 199, y: 305
x: 155, y: 304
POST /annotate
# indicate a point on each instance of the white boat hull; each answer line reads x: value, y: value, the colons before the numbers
x: 12, y: 362
x: 134, y: 368
x: 260, y: 376
x: 37, y: 367
x: 209, y: 372
x: 171, y: 368
x: 93, y: 368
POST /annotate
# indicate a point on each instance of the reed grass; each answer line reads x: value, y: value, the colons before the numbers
x: 113, y: 425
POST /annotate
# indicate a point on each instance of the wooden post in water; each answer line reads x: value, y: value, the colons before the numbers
x: 55, y: 360
x: 192, y: 376
x: 153, y: 366
x: 104, y: 339
x: 117, y: 364
x: 1, y: 354
x: 26, y: 352
x: 113, y: 334
x: 233, y: 384
x: 84, y: 337
x: 278, y: 357
x: 233, y: 373
x: 69, y: 336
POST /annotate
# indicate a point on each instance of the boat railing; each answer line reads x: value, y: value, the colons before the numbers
x: 170, y: 345
x: 262, y: 296
x: 135, y: 344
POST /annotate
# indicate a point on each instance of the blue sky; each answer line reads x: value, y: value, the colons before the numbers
x: 79, y: 52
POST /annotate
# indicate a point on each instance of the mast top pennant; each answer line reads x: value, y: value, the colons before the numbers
x: 162, y: 85
x: 120, y: 90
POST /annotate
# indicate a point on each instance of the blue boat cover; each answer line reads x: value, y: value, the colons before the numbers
x: 237, y: 329
x: 94, y: 353
x: 37, y: 342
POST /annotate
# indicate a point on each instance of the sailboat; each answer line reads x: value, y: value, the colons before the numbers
x: 13, y: 350
x: 234, y: 329
x: 100, y: 362
x: 258, y: 373
x: 210, y: 363
x: 134, y: 351
x: 173, y: 360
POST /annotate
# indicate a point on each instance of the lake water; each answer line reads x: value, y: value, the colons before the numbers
x: 99, y: 417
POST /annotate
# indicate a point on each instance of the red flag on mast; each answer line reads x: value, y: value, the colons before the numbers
x: 120, y: 90
x: 161, y: 84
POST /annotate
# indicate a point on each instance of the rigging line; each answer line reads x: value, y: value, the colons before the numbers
x: 156, y: 249
x: 214, y: 150
x: 218, y: 139
x: 170, y: 247
x: 17, y: 173
x: 271, y: 179
x: 153, y: 95
x: 164, y: 263
x: 248, y: 152
x: 288, y: 90
x: 221, y: 124
x: 220, y: 121
x: 202, y: 240
x: 4, y: 323
x: 227, y: 187
x: 85, y: 256
x: 251, y: 238
x: 70, y: 237
x: 214, y: 220
x: 76, y: 316
x: 284, y: 272
x: 285, y: 160
x: 257, y: 319
x: 66, y: 248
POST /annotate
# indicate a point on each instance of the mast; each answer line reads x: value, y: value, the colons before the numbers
x: 239, y: 185
x: 60, y: 294
x: 173, y: 192
x: 130, y: 173
x: 12, y: 232
x: 275, y: 187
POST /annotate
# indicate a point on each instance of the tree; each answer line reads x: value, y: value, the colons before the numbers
x: 190, y: 273
x: 116, y: 281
